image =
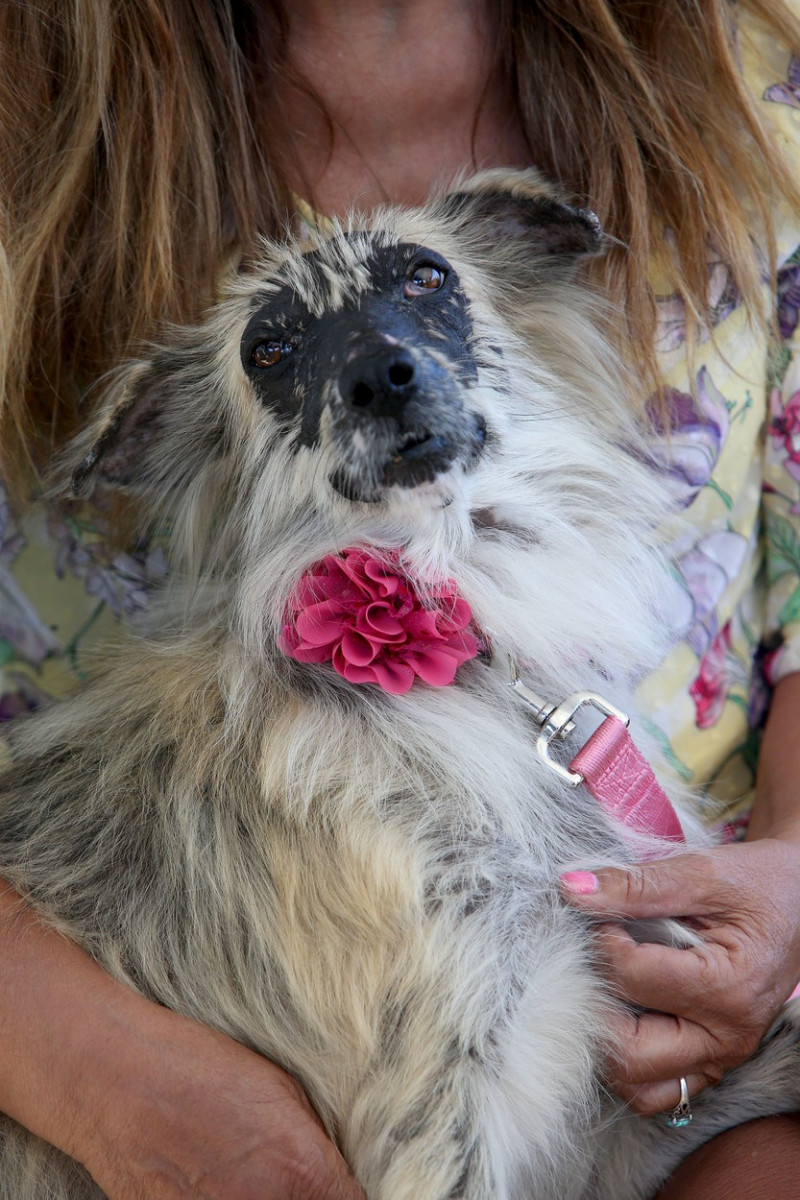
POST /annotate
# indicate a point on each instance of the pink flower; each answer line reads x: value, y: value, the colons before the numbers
x: 360, y: 612
x: 784, y: 428
x: 710, y: 689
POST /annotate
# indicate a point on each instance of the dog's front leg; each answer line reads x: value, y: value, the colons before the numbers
x: 423, y: 1138
x: 485, y: 1076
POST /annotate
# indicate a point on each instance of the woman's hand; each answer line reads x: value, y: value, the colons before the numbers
x: 708, y: 1007
x: 152, y: 1103
x: 190, y: 1113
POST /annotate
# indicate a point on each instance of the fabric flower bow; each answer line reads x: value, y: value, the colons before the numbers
x: 363, y: 614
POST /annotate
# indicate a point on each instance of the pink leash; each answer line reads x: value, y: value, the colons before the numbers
x: 616, y: 773
x: 622, y: 782
x: 609, y: 765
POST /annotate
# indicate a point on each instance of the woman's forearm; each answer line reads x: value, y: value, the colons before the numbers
x: 58, y: 1010
x: 151, y: 1102
x: 776, y: 812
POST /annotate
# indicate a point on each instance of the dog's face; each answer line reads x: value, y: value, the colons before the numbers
x: 431, y: 380
x: 367, y: 356
x: 372, y: 356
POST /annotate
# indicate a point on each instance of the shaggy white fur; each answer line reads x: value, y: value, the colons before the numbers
x: 359, y: 885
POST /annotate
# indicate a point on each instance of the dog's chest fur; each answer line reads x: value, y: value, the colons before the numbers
x: 328, y: 889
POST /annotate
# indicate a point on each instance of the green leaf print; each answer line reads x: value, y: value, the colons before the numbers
x: 724, y: 497
x: 791, y: 609
x: 680, y: 768
x: 778, y: 366
x: 783, y: 553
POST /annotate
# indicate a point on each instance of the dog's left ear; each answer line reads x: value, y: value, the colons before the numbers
x: 503, y: 208
x: 116, y: 446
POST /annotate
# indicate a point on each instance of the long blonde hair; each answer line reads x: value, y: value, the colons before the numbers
x: 133, y: 159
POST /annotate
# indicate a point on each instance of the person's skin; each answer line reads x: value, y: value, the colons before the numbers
x: 757, y: 1161
x: 712, y: 1004
x: 156, y: 1105
x: 153, y: 1104
x: 413, y: 93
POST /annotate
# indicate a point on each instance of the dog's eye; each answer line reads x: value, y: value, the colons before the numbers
x: 424, y: 278
x: 269, y: 354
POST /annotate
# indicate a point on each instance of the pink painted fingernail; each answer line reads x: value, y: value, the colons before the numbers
x: 580, y: 883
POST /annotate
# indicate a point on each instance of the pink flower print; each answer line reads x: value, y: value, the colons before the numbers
x: 784, y: 428
x: 762, y: 680
x: 734, y: 830
x: 362, y: 614
x: 718, y: 670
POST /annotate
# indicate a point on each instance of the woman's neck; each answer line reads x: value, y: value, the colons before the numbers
x: 414, y: 93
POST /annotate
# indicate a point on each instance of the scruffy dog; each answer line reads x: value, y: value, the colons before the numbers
x: 307, y: 807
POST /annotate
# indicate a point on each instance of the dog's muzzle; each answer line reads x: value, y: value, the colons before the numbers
x: 401, y: 420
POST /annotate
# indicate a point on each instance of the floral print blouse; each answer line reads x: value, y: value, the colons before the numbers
x: 731, y: 452
x: 729, y: 446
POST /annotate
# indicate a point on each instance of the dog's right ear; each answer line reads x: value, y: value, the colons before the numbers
x: 118, y: 442
x: 513, y: 210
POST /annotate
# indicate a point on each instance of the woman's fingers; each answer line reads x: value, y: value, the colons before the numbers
x: 649, y: 1047
x: 647, y: 973
x: 649, y: 1099
x: 706, y: 1006
x: 647, y: 1055
x: 743, y: 903
x: 706, y: 984
x: 700, y: 883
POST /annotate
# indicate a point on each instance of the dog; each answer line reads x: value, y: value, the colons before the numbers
x: 410, y: 511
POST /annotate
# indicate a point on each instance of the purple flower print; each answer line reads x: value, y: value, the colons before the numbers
x: 788, y: 91
x: 723, y: 298
x: 670, y: 323
x: 788, y: 297
x: 21, y: 627
x: 23, y: 697
x: 11, y: 540
x: 123, y: 581
x: 687, y: 444
x: 126, y: 583
x: 14, y: 704
x: 705, y: 571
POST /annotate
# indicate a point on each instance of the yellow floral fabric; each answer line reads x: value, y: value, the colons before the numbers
x: 731, y: 450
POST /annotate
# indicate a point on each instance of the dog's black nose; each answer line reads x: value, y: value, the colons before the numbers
x: 380, y: 383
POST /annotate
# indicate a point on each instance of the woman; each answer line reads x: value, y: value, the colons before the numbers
x: 146, y: 143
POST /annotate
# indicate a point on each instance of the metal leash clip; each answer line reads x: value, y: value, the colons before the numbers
x: 555, y: 720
